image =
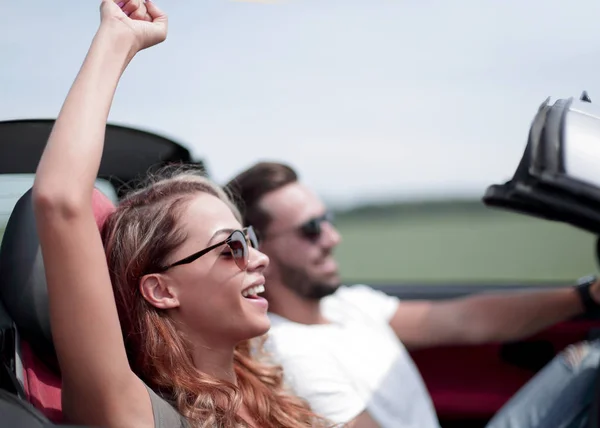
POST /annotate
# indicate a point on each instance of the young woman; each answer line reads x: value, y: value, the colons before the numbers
x: 168, y: 344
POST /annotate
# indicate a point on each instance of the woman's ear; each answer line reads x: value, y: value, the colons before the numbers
x: 157, y: 292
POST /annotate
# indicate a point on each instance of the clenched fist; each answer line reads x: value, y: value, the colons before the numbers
x: 144, y: 21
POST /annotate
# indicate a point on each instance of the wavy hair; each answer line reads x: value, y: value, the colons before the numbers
x: 137, y: 238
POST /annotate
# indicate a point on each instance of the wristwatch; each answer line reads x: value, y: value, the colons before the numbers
x: 583, y: 288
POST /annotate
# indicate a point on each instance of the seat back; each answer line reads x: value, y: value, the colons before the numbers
x: 19, y: 413
x: 24, y: 295
x: 11, y: 379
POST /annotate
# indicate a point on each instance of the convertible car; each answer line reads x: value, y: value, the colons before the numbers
x: 468, y: 383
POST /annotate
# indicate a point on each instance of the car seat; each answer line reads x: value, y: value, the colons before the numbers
x: 30, y: 384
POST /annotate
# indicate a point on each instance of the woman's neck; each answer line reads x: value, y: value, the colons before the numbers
x: 216, y: 362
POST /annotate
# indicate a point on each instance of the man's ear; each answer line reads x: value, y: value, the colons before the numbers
x: 156, y: 290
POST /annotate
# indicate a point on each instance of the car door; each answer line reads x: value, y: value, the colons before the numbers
x: 469, y: 384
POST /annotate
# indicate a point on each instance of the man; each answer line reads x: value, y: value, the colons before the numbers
x: 344, y: 349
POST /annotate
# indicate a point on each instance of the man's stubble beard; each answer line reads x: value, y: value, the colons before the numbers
x: 300, y: 282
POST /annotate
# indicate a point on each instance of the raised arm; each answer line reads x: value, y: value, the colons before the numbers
x: 99, y: 387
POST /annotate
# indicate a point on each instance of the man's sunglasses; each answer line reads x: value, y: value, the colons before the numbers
x: 237, y: 242
x: 313, y: 228
x: 310, y: 229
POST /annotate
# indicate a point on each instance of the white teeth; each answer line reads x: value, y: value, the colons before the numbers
x: 253, y: 291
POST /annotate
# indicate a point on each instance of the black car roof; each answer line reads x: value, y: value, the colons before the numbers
x: 128, y: 153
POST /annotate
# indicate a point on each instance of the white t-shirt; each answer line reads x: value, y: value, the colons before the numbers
x: 353, y: 364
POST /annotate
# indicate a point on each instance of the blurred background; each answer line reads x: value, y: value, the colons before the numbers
x: 398, y: 113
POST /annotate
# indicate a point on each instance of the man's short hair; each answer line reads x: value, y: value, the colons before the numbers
x: 249, y: 187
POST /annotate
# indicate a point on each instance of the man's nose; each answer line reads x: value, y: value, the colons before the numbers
x: 330, y: 235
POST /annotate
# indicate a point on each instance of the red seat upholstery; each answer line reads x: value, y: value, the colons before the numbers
x: 42, y: 385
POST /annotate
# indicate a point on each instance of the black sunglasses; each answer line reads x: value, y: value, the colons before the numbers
x: 313, y: 228
x: 310, y: 229
x: 237, y: 242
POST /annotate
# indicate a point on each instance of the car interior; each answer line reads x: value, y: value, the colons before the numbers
x: 554, y: 181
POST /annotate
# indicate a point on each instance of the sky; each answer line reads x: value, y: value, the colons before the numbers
x: 369, y: 99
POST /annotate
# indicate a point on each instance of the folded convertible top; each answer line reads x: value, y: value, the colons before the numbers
x: 558, y: 177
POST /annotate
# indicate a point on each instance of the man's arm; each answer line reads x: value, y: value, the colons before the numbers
x: 485, y: 318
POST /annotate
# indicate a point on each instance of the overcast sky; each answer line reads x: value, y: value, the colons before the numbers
x: 368, y: 99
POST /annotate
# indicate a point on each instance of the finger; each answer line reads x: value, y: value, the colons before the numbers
x: 155, y: 12
x: 120, y: 3
x: 139, y: 14
x: 130, y: 6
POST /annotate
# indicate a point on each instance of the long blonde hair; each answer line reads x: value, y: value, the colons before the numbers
x: 137, y: 238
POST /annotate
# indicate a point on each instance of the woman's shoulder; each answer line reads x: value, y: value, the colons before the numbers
x: 165, y: 415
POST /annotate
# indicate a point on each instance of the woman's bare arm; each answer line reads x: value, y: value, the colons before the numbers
x: 98, y: 384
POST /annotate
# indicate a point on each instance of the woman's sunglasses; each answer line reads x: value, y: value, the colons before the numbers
x: 237, y: 242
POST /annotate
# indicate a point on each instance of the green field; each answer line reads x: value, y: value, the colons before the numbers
x: 458, y: 242
x: 462, y: 243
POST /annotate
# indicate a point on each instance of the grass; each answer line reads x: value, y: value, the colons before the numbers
x: 480, y: 245
x: 458, y: 243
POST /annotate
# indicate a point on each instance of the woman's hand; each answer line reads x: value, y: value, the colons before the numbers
x: 144, y: 21
x: 99, y: 387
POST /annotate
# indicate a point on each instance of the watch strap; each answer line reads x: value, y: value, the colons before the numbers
x: 583, y: 288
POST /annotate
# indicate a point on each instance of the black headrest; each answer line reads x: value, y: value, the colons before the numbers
x: 23, y: 283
